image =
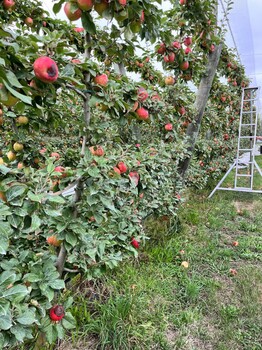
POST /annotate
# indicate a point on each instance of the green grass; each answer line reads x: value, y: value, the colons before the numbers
x: 155, y: 303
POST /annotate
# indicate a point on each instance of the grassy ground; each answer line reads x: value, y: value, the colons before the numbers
x: 157, y: 303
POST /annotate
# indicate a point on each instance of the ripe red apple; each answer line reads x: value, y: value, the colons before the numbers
x: 122, y: 167
x: 60, y: 169
x: 188, y: 41
x: 101, y: 79
x: 117, y: 170
x: 142, y: 94
x: 162, y: 49
x: 233, y: 272
x: 122, y: 2
x: 156, y: 97
x: 182, y: 2
x: 85, y: 5
x: 78, y: 29
x: 166, y: 58
x: 55, y: 155
x: 29, y: 21
x: 168, y: 127
x: 135, y: 243
x: 171, y: 57
x: 177, y: 45
x: 97, y: 151
x: 142, y: 113
x: 46, y: 69
x: 8, y: 4
x: 44, y: 23
x: 184, y: 65
x: 188, y: 50
x: 75, y: 61
x: 72, y: 15
x: 142, y: 16
x: 226, y: 137
x: 212, y: 48
x: 223, y: 98
x: 235, y: 243
x: 134, y: 177
x: 181, y: 110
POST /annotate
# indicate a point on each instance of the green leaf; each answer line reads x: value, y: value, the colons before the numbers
x: 35, y: 197
x: 7, y: 278
x: 57, y: 7
x: 24, y: 98
x: 19, y: 332
x: 15, y: 191
x: 52, y: 212
x: 57, y: 284
x: 33, y: 277
x: 71, y: 239
x: 56, y: 199
x: 5, y: 322
x: 4, y: 170
x: 88, y: 23
x: 12, y: 79
x: 17, y: 291
x: 51, y: 333
x: 27, y: 318
x: 68, y: 321
x: 14, y: 220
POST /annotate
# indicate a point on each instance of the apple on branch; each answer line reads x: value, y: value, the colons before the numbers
x: 46, y: 69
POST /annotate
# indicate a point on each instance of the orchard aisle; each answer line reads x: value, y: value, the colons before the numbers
x: 199, y: 288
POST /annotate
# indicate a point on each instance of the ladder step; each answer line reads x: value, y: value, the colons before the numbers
x: 250, y: 112
x: 245, y: 149
x: 252, y: 99
x: 243, y: 175
x: 248, y: 124
x: 247, y: 137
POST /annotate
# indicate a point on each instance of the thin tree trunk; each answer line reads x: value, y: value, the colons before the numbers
x: 200, y: 105
x: 79, y: 188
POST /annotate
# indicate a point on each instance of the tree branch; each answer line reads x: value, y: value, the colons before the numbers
x: 79, y: 92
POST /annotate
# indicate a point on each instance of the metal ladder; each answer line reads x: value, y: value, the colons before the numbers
x: 245, y: 163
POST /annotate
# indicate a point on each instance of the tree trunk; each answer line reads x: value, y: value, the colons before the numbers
x: 200, y: 105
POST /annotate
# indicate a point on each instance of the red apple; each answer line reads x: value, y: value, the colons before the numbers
x: 142, y: 94
x: 233, y: 272
x: 55, y: 155
x: 171, y: 57
x: 122, y: 167
x: 85, y: 5
x: 182, y: 2
x: 142, y: 113
x: 162, y: 49
x: 117, y: 170
x: 188, y: 50
x: 181, y: 110
x: 134, y: 177
x: 235, y: 243
x: 46, y: 69
x: 184, y: 65
x: 29, y: 21
x: 168, y: 127
x: 8, y: 4
x: 78, y: 29
x: 122, y: 2
x: 72, y: 15
x: 177, y: 45
x: 75, y: 61
x: 212, y: 48
x: 135, y: 243
x: 188, y: 41
x: 101, y: 79
x: 142, y: 16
